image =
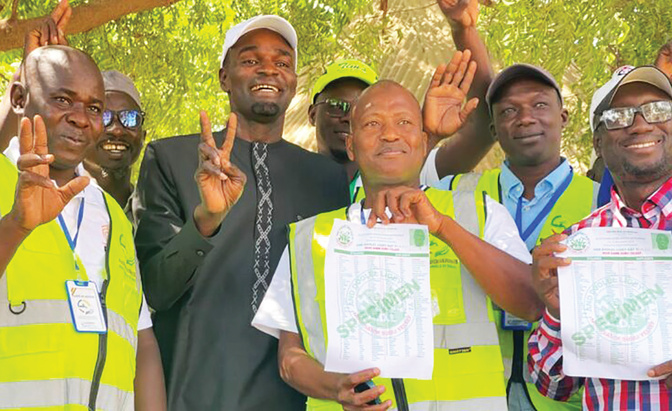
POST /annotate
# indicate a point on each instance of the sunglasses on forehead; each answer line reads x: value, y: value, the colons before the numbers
x: 130, y: 119
x: 335, y: 107
x: 623, y: 117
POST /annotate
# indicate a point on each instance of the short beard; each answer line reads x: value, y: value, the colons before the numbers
x: 265, y: 109
x: 655, y: 171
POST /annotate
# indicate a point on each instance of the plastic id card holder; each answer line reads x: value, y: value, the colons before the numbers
x: 85, y: 307
x: 513, y: 323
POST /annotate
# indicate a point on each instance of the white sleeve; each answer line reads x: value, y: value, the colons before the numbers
x: 276, y: 312
x: 428, y: 175
x: 501, y: 231
x: 145, y: 320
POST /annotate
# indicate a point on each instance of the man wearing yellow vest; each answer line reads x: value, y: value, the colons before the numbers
x: 539, y: 189
x: 71, y: 296
x: 526, y: 116
x: 389, y: 146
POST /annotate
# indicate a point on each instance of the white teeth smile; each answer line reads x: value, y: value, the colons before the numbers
x: 115, y: 147
x: 643, y: 145
x: 265, y: 87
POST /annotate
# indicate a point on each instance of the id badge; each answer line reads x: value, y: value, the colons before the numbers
x: 513, y: 323
x: 85, y: 307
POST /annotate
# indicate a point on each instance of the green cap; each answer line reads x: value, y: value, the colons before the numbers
x: 344, y: 69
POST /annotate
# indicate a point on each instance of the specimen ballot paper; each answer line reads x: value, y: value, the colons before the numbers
x: 616, y: 302
x: 378, y: 300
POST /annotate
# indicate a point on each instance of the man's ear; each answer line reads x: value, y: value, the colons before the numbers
x: 224, y: 82
x: 565, y: 117
x: 18, y: 96
x: 349, y: 147
x: 312, y: 113
x: 493, y: 131
x: 597, y: 142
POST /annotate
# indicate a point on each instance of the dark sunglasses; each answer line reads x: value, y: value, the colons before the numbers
x: 623, y: 117
x: 131, y: 119
x: 335, y: 107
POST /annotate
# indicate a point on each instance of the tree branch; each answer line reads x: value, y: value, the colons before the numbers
x: 84, y: 18
x: 15, y: 7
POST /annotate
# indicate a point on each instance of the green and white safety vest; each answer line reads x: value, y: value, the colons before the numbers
x: 44, y: 363
x: 578, y: 201
x: 468, y: 371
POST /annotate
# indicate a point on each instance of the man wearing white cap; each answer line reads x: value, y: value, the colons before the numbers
x: 208, y: 249
x: 632, y: 131
x: 118, y: 148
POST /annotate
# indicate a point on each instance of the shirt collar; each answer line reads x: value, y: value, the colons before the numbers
x: 659, y: 201
x: 512, y: 184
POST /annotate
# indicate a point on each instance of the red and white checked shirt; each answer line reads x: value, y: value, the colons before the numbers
x: 545, y: 346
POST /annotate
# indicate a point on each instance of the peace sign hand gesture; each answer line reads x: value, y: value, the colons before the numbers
x: 37, y: 199
x: 220, y: 183
x: 51, y: 30
x: 443, y: 114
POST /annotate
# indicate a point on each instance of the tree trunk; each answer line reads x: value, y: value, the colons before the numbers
x: 84, y: 18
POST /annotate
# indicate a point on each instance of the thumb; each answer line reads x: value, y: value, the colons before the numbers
x: 469, y: 108
x: 74, y: 187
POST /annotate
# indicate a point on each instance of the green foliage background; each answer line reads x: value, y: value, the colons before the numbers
x: 173, y: 53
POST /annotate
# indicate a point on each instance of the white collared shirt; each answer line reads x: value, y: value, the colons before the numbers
x: 92, y: 240
x: 276, y: 312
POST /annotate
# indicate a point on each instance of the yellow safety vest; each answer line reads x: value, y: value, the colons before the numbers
x: 44, y: 363
x: 468, y: 371
x: 578, y: 201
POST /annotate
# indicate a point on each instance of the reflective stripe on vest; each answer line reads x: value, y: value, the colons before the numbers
x: 476, y: 373
x: 58, y: 311
x: 578, y: 201
x: 307, y: 308
x: 62, y: 392
x: 475, y: 404
x: 39, y: 346
x: 475, y: 300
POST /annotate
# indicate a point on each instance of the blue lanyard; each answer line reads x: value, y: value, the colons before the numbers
x: 361, y: 213
x: 73, y: 241
x: 525, y: 234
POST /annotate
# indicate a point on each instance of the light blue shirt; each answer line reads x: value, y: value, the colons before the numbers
x: 512, y: 190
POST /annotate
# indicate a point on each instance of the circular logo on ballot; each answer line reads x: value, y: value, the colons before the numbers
x: 578, y: 241
x: 621, y: 309
x: 381, y: 302
x: 344, y: 236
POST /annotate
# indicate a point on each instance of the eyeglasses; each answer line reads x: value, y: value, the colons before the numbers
x: 335, y: 108
x: 622, y: 117
x: 131, y: 119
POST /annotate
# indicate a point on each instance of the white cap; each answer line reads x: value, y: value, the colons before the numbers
x: 270, y: 22
x: 116, y: 81
x: 622, y: 76
x: 603, y: 91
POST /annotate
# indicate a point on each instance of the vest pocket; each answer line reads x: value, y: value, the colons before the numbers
x: 16, y: 342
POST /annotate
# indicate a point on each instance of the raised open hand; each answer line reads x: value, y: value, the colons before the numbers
x: 38, y: 200
x: 51, y: 30
x: 463, y: 12
x: 443, y: 112
x: 664, y: 59
x: 220, y: 182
